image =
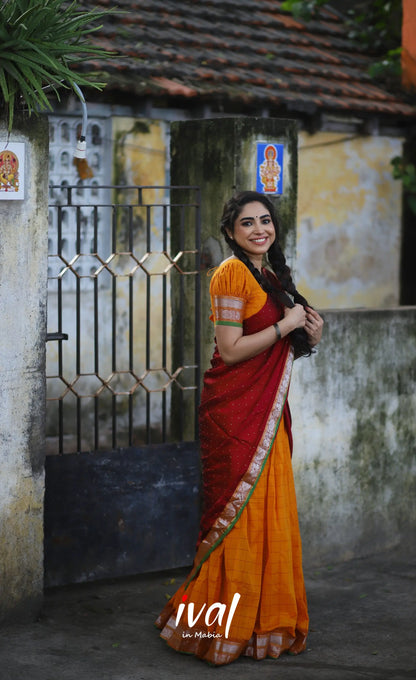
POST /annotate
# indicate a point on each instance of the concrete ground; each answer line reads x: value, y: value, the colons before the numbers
x: 362, y: 627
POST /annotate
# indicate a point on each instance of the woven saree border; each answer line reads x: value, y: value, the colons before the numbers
x: 229, y: 323
x: 242, y: 494
x: 229, y: 310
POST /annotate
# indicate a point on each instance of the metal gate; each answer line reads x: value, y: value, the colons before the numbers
x: 123, y: 375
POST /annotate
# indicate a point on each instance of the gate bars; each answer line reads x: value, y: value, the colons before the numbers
x: 112, y: 277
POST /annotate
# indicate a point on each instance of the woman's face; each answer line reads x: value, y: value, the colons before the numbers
x: 254, y: 231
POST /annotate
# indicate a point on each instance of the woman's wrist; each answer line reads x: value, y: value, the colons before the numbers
x: 278, y: 332
x: 284, y: 327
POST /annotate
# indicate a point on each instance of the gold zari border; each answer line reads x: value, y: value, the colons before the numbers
x: 228, y: 308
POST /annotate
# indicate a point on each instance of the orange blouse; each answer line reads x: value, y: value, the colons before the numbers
x: 235, y: 293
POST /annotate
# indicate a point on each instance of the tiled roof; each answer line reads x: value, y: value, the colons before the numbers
x: 240, y: 54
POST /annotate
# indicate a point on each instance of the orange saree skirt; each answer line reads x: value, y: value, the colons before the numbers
x: 260, y: 558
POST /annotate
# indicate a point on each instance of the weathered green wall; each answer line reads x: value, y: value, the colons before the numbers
x: 23, y: 282
x: 353, y: 407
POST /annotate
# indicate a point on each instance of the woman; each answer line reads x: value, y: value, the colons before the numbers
x: 245, y: 594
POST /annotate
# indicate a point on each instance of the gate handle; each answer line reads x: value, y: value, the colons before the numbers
x: 56, y: 336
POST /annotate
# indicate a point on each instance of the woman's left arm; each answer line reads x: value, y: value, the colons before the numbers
x: 313, y: 326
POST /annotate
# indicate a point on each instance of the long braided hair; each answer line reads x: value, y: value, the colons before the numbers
x: 276, y: 258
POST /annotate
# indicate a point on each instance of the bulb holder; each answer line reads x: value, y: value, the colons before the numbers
x: 80, y: 149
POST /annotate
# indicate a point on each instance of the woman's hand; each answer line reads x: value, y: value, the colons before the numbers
x: 313, y: 326
x: 295, y: 316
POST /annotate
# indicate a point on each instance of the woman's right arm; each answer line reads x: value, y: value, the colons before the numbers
x: 233, y: 346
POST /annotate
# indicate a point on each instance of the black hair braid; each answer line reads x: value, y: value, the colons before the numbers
x: 232, y: 208
x: 278, y: 263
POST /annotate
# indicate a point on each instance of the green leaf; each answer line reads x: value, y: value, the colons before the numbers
x: 31, y: 96
x: 11, y: 111
x: 4, y: 86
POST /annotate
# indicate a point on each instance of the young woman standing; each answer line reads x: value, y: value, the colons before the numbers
x: 245, y: 594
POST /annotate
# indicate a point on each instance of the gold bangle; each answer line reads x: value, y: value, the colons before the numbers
x: 277, y: 329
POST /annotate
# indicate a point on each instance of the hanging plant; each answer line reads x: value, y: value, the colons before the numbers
x: 40, y: 43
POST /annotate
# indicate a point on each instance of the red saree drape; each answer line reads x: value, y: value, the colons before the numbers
x: 240, y: 411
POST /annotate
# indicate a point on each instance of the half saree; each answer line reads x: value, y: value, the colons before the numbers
x: 249, y: 542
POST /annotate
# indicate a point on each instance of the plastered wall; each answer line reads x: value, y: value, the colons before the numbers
x: 23, y: 271
x: 349, y: 221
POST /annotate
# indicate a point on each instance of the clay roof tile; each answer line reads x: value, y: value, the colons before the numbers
x: 240, y: 51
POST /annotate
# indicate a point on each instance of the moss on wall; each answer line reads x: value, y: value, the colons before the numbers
x: 353, y: 408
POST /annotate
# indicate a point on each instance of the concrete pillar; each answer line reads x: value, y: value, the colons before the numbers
x: 23, y: 286
x: 220, y: 156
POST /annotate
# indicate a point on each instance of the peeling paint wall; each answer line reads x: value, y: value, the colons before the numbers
x: 349, y: 221
x: 140, y: 151
x: 353, y: 405
x: 23, y: 270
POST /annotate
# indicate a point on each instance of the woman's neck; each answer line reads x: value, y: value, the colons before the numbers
x: 257, y: 262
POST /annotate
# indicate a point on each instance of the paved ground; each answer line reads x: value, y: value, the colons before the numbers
x: 362, y: 627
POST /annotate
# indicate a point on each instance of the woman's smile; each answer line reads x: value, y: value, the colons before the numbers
x: 259, y: 240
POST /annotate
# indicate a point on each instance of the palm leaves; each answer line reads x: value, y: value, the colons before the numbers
x: 39, y: 42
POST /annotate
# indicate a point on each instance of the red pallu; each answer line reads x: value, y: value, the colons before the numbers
x: 240, y: 411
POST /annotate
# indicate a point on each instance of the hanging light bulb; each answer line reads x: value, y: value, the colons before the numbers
x: 80, y: 159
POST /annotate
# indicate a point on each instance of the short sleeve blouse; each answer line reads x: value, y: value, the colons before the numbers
x: 235, y: 293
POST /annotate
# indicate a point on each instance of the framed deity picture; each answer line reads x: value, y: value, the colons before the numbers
x: 12, y: 171
x: 269, y: 178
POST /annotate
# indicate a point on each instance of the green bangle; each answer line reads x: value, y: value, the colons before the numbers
x: 277, y: 329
